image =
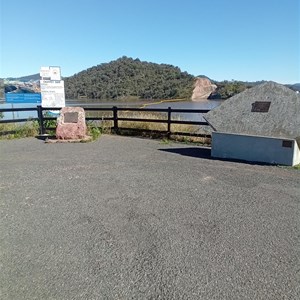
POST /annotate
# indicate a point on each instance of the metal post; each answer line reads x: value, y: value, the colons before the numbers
x: 41, y: 119
x: 115, y: 116
x: 169, y: 122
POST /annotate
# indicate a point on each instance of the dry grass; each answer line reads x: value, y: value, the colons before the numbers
x: 152, y: 129
x: 14, y: 130
x: 162, y: 127
x: 143, y: 125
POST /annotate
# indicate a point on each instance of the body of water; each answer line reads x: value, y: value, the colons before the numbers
x: 201, y: 104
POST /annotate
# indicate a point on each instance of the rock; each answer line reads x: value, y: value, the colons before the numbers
x: 203, y: 88
x: 269, y: 109
x: 71, y: 124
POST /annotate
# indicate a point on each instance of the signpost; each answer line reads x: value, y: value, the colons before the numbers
x: 52, y: 87
x: 53, y: 93
x: 50, y: 73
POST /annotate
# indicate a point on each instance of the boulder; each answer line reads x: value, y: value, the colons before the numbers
x: 203, y: 88
x: 71, y: 124
x: 269, y: 109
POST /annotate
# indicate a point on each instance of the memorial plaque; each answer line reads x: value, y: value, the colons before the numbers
x: 261, y: 106
x: 71, y: 117
x: 287, y: 144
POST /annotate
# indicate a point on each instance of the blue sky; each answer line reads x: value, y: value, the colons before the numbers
x: 222, y: 39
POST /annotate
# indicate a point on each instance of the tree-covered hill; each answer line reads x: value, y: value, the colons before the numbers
x: 127, y: 77
x: 27, y: 78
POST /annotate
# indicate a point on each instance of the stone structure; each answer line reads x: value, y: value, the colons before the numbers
x: 71, y: 124
x: 203, y: 88
x: 269, y: 109
x: 260, y: 124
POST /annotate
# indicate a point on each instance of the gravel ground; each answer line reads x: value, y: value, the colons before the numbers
x: 129, y: 218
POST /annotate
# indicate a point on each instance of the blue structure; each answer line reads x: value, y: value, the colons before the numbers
x: 23, y: 98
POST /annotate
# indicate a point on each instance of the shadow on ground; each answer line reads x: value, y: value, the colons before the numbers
x: 205, y: 153
x: 191, y: 151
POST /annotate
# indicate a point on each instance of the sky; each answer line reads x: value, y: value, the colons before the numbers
x: 222, y: 39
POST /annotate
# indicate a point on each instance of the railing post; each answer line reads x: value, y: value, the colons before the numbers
x: 115, y: 116
x: 169, y: 122
x: 41, y: 119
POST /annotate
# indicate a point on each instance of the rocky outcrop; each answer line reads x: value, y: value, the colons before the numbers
x: 202, y: 89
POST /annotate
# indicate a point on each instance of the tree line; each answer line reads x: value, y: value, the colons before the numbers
x: 127, y: 77
x: 226, y: 89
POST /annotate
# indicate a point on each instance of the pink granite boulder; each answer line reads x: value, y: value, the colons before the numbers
x: 71, y: 124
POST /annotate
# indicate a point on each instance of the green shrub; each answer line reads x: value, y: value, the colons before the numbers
x: 94, y: 131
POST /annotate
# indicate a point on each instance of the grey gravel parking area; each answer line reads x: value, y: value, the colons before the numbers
x: 130, y: 218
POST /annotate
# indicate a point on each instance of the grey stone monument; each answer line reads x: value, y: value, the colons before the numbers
x: 260, y: 124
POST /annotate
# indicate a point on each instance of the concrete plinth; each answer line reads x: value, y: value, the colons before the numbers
x: 262, y: 149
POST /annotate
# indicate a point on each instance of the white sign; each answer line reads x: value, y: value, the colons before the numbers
x: 45, y: 72
x: 53, y: 93
x: 50, y: 73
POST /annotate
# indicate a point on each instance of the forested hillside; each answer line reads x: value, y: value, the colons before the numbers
x: 127, y: 77
x: 27, y: 78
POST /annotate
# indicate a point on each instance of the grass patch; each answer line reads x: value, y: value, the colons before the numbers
x: 201, y: 141
x: 94, y: 132
x: 14, y: 131
x: 50, y: 123
x: 297, y: 167
x: 96, y: 128
x: 165, y: 141
x: 143, y: 125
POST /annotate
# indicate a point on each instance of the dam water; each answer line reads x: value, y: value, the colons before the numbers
x: 200, y: 104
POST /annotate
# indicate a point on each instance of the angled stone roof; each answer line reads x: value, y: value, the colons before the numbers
x: 276, y: 112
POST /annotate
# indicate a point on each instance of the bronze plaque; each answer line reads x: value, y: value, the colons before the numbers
x: 261, y: 106
x: 287, y: 144
x: 71, y: 117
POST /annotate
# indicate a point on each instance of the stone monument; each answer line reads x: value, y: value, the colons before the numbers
x: 71, y: 124
x: 260, y: 124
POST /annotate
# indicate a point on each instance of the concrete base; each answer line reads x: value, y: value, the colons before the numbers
x: 255, y: 148
x: 82, y: 140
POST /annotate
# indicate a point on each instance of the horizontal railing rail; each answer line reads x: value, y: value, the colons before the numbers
x: 18, y: 109
x: 115, y: 117
x: 18, y: 120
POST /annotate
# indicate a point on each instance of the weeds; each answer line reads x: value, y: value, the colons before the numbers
x: 297, y: 167
x: 165, y: 141
x: 96, y: 128
x: 15, y: 131
x: 94, y: 132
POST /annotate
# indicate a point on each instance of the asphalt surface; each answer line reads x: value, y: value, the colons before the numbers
x: 129, y: 218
